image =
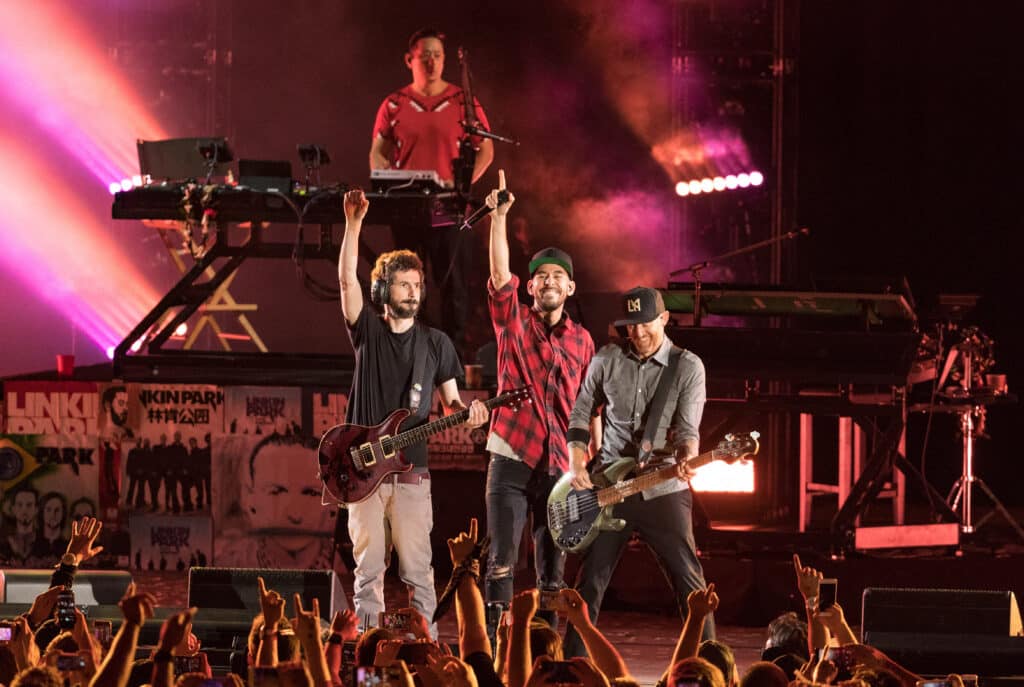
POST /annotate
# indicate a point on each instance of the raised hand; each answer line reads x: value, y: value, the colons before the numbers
x: 807, y: 579
x: 42, y: 605
x: 136, y: 608
x: 307, y: 623
x: 448, y: 671
x: 23, y: 644
x: 703, y: 602
x: 500, y: 210
x: 524, y: 606
x: 175, y: 629
x: 574, y: 607
x: 356, y: 205
x: 346, y: 625
x: 272, y: 605
x: 462, y: 546
x: 83, y: 535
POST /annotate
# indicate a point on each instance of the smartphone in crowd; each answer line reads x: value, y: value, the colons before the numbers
x: 103, y: 631
x: 415, y: 653
x: 70, y: 662
x: 6, y: 631
x: 66, y: 609
x: 826, y: 593
x: 551, y: 600
x: 395, y: 620
x: 190, y: 664
x: 348, y: 664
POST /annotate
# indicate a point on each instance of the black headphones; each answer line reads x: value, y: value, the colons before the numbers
x: 379, y: 288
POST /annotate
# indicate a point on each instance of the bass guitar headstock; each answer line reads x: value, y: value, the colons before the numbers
x: 740, y: 446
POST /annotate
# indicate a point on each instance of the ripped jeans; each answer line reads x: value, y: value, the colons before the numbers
x: 513, y: 491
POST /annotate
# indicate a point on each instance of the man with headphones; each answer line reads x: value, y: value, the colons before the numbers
x: 399, y: 362
x: 419, y: 127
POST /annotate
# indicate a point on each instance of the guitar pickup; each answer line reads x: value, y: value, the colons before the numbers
x: 362, y: 457
x: 574, y: 508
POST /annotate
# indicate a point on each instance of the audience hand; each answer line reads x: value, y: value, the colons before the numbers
x: 446, y: 671
x: 807, y: 579
x: 176, y: 629
x: 272, y: 605
x: 346, y: 625
x: 524, y: 606
x: 356, y: 205
x: 462, y: 546
x: 307, y: 623
x: 42, y: 606
x: 703, y: 602
x: 83, y: 535
x: 136, y: 608
x: 575, y: 607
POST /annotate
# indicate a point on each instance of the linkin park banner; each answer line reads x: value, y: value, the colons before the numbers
x: 170, y: 542
x: 262, y: 410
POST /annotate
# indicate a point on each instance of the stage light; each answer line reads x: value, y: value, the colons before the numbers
x: 706, y: 185
x: 126, y: 184
x: 743, y: 179
x: 110, y: 352
x: 694, y: 187
x: 114, y: 187
x: 719, y: 183
x: 181, y: 329
x: 730, y: 182
x: 756, y: 178
x: 719, y: 476
x: 683, y: 188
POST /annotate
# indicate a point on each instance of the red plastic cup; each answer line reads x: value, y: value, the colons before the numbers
x: 65, y: 365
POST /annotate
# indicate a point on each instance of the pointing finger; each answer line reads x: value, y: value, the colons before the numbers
x: 501, y: 179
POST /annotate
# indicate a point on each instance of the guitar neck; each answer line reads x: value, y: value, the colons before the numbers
x: 621, y: 490
x: 421, y: 433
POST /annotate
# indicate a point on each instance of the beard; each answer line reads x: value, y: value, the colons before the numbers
x: 404, y: 310
x: 549, y: 300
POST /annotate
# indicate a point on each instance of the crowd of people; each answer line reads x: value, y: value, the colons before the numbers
x: 52, y: 645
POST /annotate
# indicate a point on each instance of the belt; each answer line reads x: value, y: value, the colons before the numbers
x: 411, y: 477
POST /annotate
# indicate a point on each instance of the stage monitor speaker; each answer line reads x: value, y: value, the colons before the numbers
x: 92, y: 587
x: 237, y: 588
x: 940, y: 611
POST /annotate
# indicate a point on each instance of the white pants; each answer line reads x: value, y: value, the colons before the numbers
x: 401, y: 515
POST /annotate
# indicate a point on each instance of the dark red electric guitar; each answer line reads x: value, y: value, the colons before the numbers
x: 354, y: 459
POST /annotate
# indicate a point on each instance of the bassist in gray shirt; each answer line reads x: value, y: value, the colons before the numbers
x: 621, y: 381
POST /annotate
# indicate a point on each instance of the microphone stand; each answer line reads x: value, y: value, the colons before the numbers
x: 696, y: 267
x: 466, y: 160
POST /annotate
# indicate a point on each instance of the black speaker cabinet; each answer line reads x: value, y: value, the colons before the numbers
x: 237, y: 589
x: 92, y: 587
x: 940, y: 631
x: 940, y: 611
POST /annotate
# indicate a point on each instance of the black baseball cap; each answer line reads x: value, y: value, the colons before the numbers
x: 641, y: 304
x: 551, y: 256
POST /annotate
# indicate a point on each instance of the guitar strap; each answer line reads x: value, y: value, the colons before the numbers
x: 418, y: 367
x: 657, y: 406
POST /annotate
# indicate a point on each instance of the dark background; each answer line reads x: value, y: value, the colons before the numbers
x: 907, y: 139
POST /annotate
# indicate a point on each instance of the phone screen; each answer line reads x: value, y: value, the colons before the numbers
x: 550, y: 600
x: 66, y: 609
x: 189, y: 664
x: 69, y: 662
x: 394, y: 620
x: 102, y: 630
x: 5, y: 633
x: 826, y: 593
x: 378, y: 676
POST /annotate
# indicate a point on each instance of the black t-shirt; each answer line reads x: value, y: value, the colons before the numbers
x: 383, y: 374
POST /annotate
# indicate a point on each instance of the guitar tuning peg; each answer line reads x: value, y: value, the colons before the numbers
x: 730, y: 436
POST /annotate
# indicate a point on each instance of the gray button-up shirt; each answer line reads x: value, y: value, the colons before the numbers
x: 625, y: 385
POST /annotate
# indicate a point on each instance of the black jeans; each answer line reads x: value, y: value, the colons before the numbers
x: 513, y: 491
x: 665, y: 525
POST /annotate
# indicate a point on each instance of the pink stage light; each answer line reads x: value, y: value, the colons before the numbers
x: 730, y: 182
x: 683, y: 188
x: 743, y: 179
x: 69, y: 257
x: 72, y: 92
x: 756, y: 178
x: 695, y: 187
x: 719, y: 183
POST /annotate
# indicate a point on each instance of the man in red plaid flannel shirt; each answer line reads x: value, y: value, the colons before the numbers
x: 541, y: 349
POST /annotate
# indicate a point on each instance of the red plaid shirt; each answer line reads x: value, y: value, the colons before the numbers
x: 550, y: 363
